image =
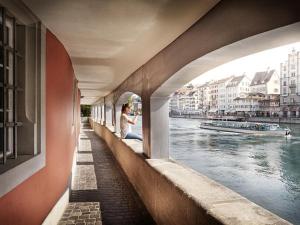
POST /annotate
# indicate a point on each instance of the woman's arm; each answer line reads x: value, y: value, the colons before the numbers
x: 131, y: 121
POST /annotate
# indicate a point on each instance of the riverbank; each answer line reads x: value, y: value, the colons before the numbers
x: 249, y: 119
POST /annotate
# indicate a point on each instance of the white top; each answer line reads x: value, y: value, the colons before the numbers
x: 124, y: 125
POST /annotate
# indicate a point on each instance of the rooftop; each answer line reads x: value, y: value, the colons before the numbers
x: 262, y: 77
x: 235, y: 81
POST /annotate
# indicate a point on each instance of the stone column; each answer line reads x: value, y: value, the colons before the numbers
x: 297, y: 113
x: 97, y: 113
x: 100, y: 113
x: 146, y: 124
x: 108, y: 117
x: 112, y: 111
x: 117, y: 119
x: 104, y: 114
x: 159, y: 125
x: 289, y: 113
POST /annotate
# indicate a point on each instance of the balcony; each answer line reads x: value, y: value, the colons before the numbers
x: 292, y: 86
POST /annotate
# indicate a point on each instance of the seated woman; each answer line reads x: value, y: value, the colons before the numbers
x: 126, y: 122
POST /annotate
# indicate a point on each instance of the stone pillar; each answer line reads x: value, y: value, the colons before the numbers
x: 297, y: 113
x: 117, y: 119
x: 100, y: 107
x: 159, y: 125
x: 113, y: 116
x: 146, y: 124
x: 108, y: 116
x: 289, y: 114
x: 104, y: 114
x: 98, y: 115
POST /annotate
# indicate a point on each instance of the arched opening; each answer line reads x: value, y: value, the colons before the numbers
x: 97, y: 112
x: 109, y: 115
x: 135, y: 103
x: 244, y: 157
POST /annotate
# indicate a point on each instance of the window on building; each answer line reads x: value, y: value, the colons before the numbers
x: 293, y: 91
x: 293, y: 74
x: 9, y: 88
x: 20, y: 83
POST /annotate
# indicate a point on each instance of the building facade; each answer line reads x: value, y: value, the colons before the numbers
x: 235, y: 88
x: 237, y: 95
x: 266, y: 82
x: 248, y: 104
x: 222, y: 105
x: 290, y: 85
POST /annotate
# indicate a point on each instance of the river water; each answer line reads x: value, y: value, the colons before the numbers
x: 266, y: 170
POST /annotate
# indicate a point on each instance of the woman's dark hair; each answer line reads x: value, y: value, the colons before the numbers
x: 124, y: 106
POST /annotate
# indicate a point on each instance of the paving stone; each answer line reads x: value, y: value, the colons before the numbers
x: 84, y: 178
x: 84, y: 157
x: 85, y: 145
x: 69, y: 218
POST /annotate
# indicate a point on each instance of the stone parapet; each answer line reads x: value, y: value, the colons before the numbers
x: 175, y: 194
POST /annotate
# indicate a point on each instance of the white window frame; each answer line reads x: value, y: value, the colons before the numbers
x: 18, y: 174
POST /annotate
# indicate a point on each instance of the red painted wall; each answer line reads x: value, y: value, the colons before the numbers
x: 30, y: 202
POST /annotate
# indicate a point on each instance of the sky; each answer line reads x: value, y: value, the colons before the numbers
x: 260, y: 61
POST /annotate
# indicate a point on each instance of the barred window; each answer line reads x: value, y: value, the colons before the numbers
x: 19, y: 88
x: 10, y: 57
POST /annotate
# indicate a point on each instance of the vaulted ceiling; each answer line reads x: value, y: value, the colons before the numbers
x: 108, y: 40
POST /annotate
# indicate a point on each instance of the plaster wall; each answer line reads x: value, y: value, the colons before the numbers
x: 31, y: 201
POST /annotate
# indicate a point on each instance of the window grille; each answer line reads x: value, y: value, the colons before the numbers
x: 9, y: 57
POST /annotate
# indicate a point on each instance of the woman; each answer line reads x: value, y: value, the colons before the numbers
x: 125, y: 124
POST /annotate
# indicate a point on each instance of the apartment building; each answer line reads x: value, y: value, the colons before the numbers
x: 235, y: 88
x: 290, y: 85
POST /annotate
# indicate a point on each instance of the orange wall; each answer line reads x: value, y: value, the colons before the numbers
x: 30, y: 202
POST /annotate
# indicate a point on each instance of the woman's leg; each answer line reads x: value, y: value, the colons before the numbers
x: 132, y: 135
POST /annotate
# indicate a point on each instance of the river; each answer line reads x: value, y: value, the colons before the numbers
x: 266, y: 170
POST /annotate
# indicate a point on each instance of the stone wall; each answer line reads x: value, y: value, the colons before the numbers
x: 175, y: 194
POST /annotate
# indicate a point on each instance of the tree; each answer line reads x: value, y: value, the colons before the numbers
x: 85, y: 110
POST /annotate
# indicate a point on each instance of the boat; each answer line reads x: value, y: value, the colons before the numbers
x: 267, y: 129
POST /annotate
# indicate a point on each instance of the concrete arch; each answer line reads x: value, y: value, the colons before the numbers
x: 227, y: 23
x: 159, y: 104
x: 254, y: 44
x: 123, y: 98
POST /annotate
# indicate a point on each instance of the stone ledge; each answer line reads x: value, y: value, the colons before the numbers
x: 222, y: 203
x: 176, y: 194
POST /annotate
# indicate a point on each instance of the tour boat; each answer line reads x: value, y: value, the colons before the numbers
x: 246, y: 128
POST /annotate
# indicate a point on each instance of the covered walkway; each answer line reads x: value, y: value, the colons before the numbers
x: 100, y: 191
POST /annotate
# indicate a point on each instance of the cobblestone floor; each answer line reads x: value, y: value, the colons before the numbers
x: 82, y: 213
x: 118, y: 203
